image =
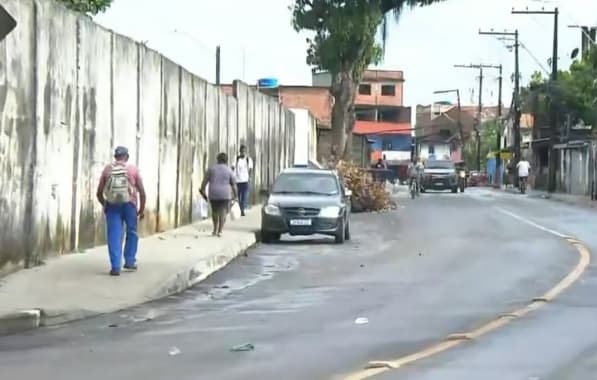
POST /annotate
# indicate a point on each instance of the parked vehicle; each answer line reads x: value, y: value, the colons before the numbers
x: 306, y: 202
x: 477, y: 179
x: 439, y: 175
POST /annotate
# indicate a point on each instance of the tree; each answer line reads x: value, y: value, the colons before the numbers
x: 574, y: 94
x: 88, y: 6
x: 488, y: 135
x: 344, y: 43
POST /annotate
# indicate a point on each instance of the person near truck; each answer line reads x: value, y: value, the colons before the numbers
x: 122, y: 195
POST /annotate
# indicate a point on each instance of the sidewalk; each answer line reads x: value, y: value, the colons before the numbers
x: 573, y: 200
x: 77, y: 286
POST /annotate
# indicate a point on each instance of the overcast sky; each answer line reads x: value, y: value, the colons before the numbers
x: 258, y: 41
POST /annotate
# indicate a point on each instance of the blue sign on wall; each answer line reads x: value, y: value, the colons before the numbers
x: 267, y: 83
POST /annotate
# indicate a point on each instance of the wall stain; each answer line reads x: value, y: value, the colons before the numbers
x: 68, y: 104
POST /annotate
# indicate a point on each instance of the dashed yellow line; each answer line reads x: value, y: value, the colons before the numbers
x: 375, y: 368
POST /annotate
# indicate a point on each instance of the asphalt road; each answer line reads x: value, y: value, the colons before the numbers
x: 438, y: 265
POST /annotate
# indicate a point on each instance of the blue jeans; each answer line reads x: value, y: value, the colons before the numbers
x: 243, y: 196
x: 116, y: 217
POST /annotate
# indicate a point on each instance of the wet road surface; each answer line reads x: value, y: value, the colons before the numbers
x: 438, y: 265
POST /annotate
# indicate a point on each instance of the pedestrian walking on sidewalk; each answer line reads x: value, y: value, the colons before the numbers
x: 244, y: 171
x: 222, y: 190
x: 122, y: 195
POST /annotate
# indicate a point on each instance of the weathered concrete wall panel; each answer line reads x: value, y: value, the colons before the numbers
x: 198, y: 136
x: 169, y: 133
x: 232, y: 128
x: 95, y: 131
x: 55, y: 136
x: 70, y: 91
x: 222, y: 122
x: 150, y: 116
x: 212, y: 115
x: 186, y: 147
x: 124, y: 93
x: 17, y: 133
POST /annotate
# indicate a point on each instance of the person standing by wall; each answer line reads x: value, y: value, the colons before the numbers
x: 119, y: 192
x: 244, y: 171
x: 222, y: 189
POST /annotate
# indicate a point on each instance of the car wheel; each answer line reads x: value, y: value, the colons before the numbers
x: 454, y: 190
x: 341, y: 233
x: 423, y: 190
x: 347, y: 231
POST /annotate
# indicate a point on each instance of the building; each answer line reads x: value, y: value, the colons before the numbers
x: 381, y: 116
x: 437, y: 130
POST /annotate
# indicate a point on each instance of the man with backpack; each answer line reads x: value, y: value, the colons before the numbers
x: 243, y: 170
x: 122, y: 195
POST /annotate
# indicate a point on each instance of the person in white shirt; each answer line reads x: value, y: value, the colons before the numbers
x: 243, y: 170
x: 524, y: 168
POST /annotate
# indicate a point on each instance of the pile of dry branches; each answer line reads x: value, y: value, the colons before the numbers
x: 367, y: 193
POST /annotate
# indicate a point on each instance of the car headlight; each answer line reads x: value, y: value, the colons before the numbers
x: 330, y: 212
x: 271, y: 210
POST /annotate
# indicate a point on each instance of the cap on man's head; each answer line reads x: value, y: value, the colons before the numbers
x: 121, y: 151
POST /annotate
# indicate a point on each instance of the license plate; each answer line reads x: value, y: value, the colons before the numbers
x: 439, y: 184
x: 300, y: 222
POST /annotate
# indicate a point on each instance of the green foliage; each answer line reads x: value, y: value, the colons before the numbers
x: 574, y: 93
x: 344, y: 34
x: 88, y: 6
x: 488, y: 135
x: 345, y: 31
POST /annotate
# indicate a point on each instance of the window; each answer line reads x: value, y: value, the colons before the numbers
x: 365, y: 114
x: 390, y: 115
x: 431, y: 149
x: 365, y: 89
x: 386, y: 143
x: 388, y: 90
x: 308, y: 183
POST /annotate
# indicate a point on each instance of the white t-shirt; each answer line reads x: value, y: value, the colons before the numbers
x: 523, y: 168
x: 243, y: 166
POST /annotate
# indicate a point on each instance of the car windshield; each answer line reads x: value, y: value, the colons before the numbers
x: 439, y: 165
x: 306, y: 183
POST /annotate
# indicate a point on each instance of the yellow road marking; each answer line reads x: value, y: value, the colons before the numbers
x: 378, y: 367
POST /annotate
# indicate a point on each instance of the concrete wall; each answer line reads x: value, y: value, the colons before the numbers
x: 70, y: 91
x: 305, y: 128
x: 576, y: 170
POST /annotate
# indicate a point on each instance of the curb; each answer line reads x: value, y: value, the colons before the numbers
x: 31, y: 319
x: 19, y: 322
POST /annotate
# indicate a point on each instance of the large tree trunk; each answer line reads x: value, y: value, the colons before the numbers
x: 343, y: 90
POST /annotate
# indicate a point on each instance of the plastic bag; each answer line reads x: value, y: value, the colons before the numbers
x: 201, y: 210
x: 235, y: 211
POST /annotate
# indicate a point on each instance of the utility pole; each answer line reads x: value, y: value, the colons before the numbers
x: 498, y: 161
x: 551, y: 183
x: 480, y: 106
x: 517, y: 105
x: 479, y: 115
x: 218, y: 61
x: 459, y: 122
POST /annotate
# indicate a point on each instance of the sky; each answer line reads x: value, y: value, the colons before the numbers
x: 258, y: 41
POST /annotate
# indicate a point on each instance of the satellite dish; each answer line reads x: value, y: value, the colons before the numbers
x: 574, y: 53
